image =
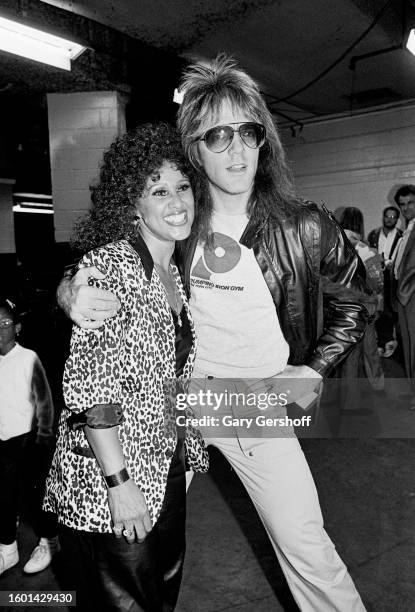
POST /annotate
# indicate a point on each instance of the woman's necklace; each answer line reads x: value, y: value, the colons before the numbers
x: 170, y: 289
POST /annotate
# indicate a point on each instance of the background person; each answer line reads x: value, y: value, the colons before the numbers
x: 352, y: 222
x: 251, y: 231
x: 385, y: 240
x: 404, y: 271
x: 26, y: 444
x: 117, y: 481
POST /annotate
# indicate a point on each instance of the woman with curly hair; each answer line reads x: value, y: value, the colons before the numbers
x: 117, y: 482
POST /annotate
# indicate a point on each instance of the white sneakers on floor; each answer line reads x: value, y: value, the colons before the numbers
x: 39, y: 560
x: 9, y: 556
x: 42, y: 555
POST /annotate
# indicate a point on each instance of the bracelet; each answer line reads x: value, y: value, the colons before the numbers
x: 113, y: 480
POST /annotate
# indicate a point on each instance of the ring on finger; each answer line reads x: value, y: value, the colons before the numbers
x: 128, y: 533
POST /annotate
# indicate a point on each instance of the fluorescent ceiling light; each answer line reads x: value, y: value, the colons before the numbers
x: 33, y: 196
x: 410, y: 43
x: 37, y: 45
x: 25, y: 207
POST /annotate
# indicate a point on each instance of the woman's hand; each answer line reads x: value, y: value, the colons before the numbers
x: 129, y: 511
x: 127, y: 504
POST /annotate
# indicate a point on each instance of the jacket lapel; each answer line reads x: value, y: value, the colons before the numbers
x: 398, y: 236
x: 144, y: 254
x: 409, y: 250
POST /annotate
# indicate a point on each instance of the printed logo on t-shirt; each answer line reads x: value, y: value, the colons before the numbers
x: 220, y: 258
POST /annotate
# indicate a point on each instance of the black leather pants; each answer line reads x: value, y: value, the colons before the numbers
x: 109, y: 574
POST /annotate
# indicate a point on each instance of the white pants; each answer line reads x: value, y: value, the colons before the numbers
x: 276, y: 475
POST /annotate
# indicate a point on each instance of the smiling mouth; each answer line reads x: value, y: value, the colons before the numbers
x: 236, y: 168
x: 179, y: 218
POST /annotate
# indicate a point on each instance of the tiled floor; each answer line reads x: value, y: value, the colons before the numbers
x: 367, y: 493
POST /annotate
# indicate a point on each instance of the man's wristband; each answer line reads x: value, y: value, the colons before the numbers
x: 113, y: 480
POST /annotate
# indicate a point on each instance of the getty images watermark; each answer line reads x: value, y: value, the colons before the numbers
x: 245, y: 422
x: 243, y: 410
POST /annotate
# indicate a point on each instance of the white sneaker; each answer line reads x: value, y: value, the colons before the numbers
x: 9, y: 556
x: 42, y: 555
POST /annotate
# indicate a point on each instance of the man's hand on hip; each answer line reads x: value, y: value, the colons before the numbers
x: 87, y: 306
x: 303, y: 384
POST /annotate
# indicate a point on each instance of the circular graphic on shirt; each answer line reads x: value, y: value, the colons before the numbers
x: 225, y: 254
x: 221, y: 257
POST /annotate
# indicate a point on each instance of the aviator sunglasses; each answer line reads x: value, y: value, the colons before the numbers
x: 219, y: 138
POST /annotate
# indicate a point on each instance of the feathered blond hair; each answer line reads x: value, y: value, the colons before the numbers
x: 206, y: 87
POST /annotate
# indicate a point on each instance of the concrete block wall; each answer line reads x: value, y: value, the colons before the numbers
x: 7, y: 243
x: 81, y: 128
x: 355, y: 161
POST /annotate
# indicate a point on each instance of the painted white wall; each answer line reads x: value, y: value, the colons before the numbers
x: 355, y: 161
x: 81, y: 127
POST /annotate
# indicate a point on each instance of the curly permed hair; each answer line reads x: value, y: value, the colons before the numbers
x: 127, y: 164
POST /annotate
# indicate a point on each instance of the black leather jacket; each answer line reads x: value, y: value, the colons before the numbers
x: 316, y: 280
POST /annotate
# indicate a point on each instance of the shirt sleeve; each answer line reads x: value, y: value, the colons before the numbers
x: 43, y: 400
x: 91, y: 382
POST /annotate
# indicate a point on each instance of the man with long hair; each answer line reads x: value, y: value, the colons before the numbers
x: 276, y: 294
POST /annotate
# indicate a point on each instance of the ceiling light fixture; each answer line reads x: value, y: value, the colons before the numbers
x: 37, y: 45
x: 410, y: 43
x: 25, y: 208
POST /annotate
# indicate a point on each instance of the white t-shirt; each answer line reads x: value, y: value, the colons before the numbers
x: 237, y: 326
x: 19, y: 411
x: 385, y: 242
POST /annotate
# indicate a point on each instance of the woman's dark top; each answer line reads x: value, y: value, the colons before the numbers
x: 183, y: 339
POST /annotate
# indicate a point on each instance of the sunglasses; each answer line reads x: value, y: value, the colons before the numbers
x: 220, y: 137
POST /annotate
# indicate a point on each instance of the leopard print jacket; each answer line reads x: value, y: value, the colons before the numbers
x: 128, y: 362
